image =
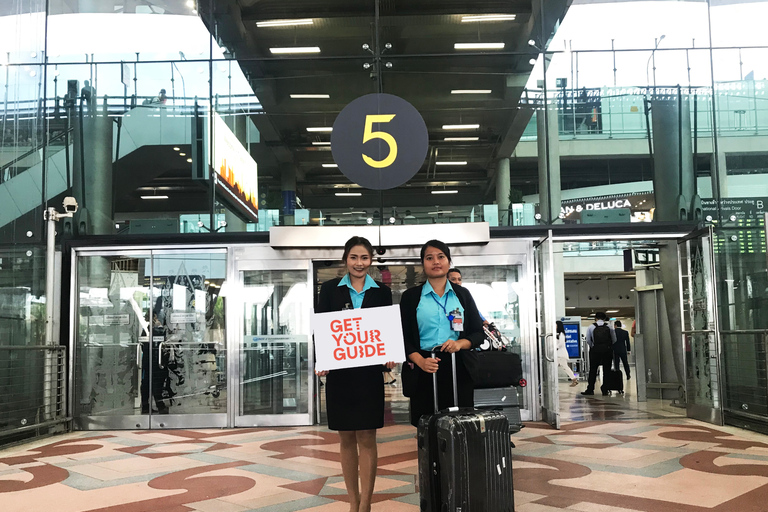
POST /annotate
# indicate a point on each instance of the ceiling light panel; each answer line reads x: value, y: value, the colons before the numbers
x: 461, y: 139
x: 284, y: 23
x: 310, y: 96
x: 477, y: 46
x: 315, y: 143
x: 154, y: 197
x: 471, y: 91
x: 461, y: 126
x: 320, y: 129
x: 488, y: 17
x: 348, y: 194
x: 451, y: 162
x: 445, y: 192
x: 330, y: 166
x: 292, y: 50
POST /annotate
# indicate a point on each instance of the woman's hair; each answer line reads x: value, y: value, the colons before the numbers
x: 354, y: 242
x: 560, y: 327
x: 437, y: 244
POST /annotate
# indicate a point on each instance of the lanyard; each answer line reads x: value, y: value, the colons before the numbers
x: 442, y: 306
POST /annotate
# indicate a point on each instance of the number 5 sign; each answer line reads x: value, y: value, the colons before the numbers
x: 379, y: 141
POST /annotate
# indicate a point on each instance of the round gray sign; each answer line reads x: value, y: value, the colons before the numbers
x: 379, y: 141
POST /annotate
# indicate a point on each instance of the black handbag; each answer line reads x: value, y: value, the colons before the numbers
x: 493, y: 368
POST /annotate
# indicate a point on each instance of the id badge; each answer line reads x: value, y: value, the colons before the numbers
x: 457, y: 321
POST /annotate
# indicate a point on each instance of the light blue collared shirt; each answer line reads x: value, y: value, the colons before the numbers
x: 357, y: 297
x: 431, y: 315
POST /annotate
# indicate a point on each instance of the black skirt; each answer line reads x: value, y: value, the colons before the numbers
x: 354, y: 398
x: 423, y: 399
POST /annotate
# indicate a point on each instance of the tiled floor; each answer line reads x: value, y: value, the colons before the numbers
x: 652, y: 459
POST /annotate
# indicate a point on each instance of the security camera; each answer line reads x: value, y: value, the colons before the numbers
x: 381, y: 251
x: 70, y: 204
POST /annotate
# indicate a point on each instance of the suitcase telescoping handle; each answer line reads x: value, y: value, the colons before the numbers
x: 455, y: 385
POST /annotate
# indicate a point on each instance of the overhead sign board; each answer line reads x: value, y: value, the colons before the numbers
x: 379, y: 141
x: 236, y: 170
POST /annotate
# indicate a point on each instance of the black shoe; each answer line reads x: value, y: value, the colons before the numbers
x: 629, y: 376
x: 606, y: 393
x: 588, y: 393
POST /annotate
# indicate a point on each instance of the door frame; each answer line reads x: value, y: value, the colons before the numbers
x: 262, y: 258
x: 546, y: 315
x: 701, y: 412
x: 133, y: 421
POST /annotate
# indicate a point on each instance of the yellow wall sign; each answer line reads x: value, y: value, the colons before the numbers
x: 379, y: 141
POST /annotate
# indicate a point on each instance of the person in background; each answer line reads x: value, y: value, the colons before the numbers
x: 562, y: 354
x: 454, y: 276
x: 438, y: 315
x: 88, y: 94
x: 621, y: 347
x: 600, y: 339
x: 160, y: 99
x: 355, y: 396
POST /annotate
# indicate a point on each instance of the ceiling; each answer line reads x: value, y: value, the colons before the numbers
x: 421, y: 66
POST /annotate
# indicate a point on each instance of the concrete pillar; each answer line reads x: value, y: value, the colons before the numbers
x: 548, y: 142
x: 288, y: 189
x: 502, y: 191
x: 234, y: 223
x: 673, y: 181
x: 719, y: 178
x: 92, y: 170
x: 670, y: 278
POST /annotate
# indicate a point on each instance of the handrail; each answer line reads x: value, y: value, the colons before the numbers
x: 58, y: 348
x: 746, y: 331
x: 34, y: 150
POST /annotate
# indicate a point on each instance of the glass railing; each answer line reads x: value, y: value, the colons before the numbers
x: 619, y: 112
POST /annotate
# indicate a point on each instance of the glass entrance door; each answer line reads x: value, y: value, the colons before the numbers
x: 700, y: 331
x: 546, y: 316
x: 149, y: 346
x: 275, y: 360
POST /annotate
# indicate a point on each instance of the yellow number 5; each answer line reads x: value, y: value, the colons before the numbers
x: 386, y: 137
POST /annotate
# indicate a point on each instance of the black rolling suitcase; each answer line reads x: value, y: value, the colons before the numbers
x: 614, y: 381
x: 465, y: 459
x: 504, y: 400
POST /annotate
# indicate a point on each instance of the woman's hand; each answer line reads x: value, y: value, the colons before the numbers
x: 321, y: 373
x: 452, y: 346
x: 390, y: 364
x: 429, y: 364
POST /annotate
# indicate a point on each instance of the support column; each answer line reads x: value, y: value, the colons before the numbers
x: 548, y: 142
x: 234, y: 223
x: 92, y: 169
x: 288, y: 188
x: 502, y: 191
x: 674, y: 191
x: 719, y: 179
x: 673, y: 181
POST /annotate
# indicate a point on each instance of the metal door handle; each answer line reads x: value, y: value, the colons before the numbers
x: 159, y: 353
x: 550, y: 359
x: 138, y: 354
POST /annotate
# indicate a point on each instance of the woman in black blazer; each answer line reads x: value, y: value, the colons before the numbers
x: 443, y: 316
x: 355, y: 396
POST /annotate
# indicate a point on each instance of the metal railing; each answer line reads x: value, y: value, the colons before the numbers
x: 619, y: 112
x: 32, y: 388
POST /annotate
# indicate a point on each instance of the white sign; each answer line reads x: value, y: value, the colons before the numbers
x: 116, y: 319
x: 183, y: 318
x: 358, y: 337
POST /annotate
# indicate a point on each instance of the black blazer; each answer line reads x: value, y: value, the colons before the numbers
x: 622, y: 340
x: 473, y: 324
x: 335, y: 298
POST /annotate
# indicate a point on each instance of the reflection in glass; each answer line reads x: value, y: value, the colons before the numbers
x: 150, y: 335
x: 275, y: 348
